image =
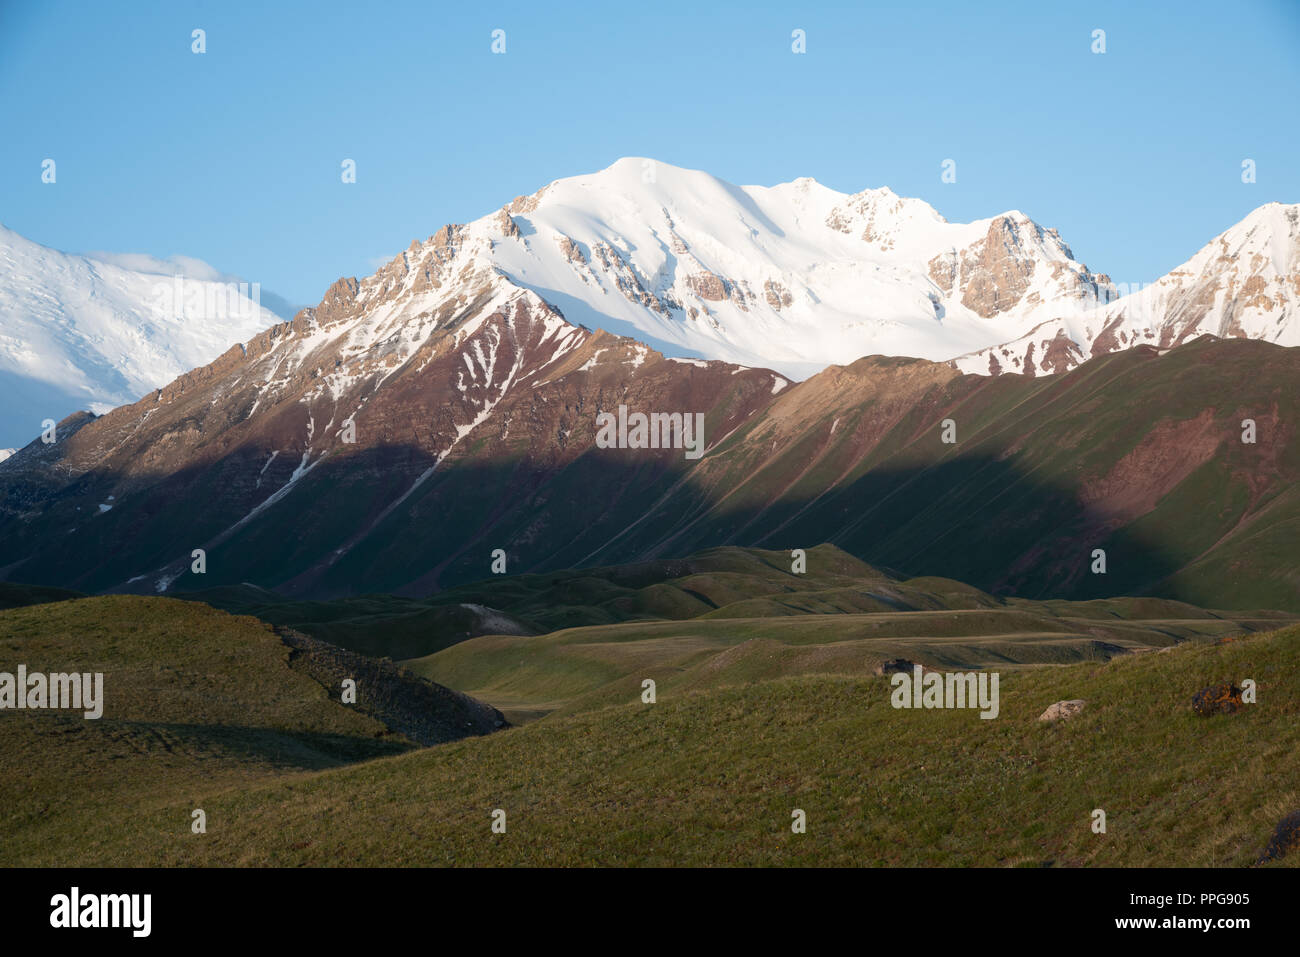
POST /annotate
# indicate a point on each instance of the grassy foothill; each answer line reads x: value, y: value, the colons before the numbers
x: 203, y: 712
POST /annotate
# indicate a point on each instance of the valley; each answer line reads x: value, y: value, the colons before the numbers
x: 571, y: 640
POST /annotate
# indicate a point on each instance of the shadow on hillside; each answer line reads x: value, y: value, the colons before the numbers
x: 282, y: 749
x: 336, y: 532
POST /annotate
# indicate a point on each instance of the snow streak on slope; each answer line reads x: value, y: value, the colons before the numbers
x: 77, y: 333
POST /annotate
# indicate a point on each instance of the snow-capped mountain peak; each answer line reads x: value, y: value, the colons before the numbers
x: 793, y: 277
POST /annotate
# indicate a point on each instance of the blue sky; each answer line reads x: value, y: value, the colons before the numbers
x: 234, y: 156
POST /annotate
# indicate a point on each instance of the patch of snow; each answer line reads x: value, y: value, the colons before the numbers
x: 165, y: 582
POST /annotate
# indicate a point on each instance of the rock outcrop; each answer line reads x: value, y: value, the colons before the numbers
x: 1063, y: 709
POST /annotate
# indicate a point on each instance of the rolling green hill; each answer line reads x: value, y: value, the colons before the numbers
x: 205, y: 711
x: 581, y: 668
x: 195, y: 701
x: 570, y: 640
x: 731, y: 595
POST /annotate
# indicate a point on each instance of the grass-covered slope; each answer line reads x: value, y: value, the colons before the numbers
x: 194, y: 701
x: 715, y: 586
x: 712, y: 777
x: 384, y: 626
x: 753, y: 619
x: 715, y: 582
x: 1139, y: 452
x: 581, y: 668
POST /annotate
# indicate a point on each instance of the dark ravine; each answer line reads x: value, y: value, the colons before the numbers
x: 425, y: 712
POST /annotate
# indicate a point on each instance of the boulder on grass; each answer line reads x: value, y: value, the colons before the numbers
x: 1062, y: 709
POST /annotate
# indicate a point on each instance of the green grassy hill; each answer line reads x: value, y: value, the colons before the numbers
x: 206, y: 713
x: 581, y: 668
x: 731, y: 596
x: 196, y: 701
x: 382, y: 626
x: 716, y: 582
x: 749, y: 618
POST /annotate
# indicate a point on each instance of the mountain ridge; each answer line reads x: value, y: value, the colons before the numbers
x: 441, y: 394
x: 792, y: 277
x: 798, y: 276
x: 433, y: 487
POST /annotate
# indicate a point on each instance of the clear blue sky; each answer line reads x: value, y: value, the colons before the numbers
x: 234, y: 156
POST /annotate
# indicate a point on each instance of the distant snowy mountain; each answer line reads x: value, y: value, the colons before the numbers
x: 791, y: 277
x: 81, y: 333
x: 1245, y: 283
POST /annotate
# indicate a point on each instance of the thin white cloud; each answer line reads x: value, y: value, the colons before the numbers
x: 190, y: 268
x: 186, y: 266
